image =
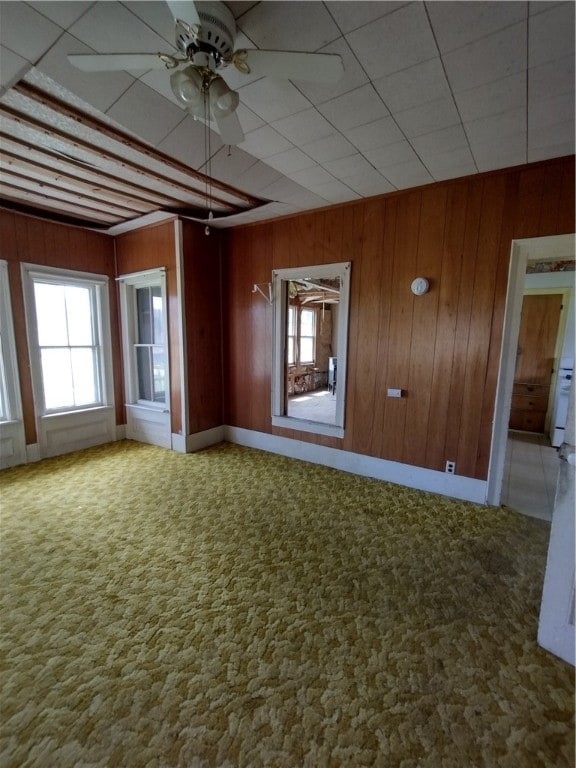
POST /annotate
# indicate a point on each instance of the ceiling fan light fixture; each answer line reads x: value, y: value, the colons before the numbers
x: 187, y: 87
x: 223, y: 99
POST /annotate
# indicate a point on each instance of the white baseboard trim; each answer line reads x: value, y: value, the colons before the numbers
x: 200, y: 440
x: 178, y: 443
x: 32, y: 453
x: 455, y: 486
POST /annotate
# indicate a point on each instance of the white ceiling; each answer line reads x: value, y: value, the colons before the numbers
x: 431, y: 90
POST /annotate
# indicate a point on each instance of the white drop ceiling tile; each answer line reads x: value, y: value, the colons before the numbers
x: 557, y: 141
x: 229, y: 163
x: 450, y: 165
x: 458, y: 24
x: 248, y: 119
x: 492, y: 58
x: 111, y: 28
x: 158, y: 17
x: 360, y: 175
x: 509, y: 151
x: 395, y: 41
x: 291, y: 161
x: 444, y: 140
x: 330, y: 147
x: 353, y: 76
x: 26, y: 32
x: 413, y: 86
x: 379, y: 133
x: 351, y: 15
x: 335, y: 192
x: 409, y: 174
x: 369, y: 186
x: 12, y: 68
x: 349, y: 166
x: 308, y: 125
x: 257, y: 177
x: 393, y: 154
x: 273, y: 99
x: 186, y: 142
x: 62, y: 13
x: 551, y: 34
x: 301, y: 26
x: 101, y: 89
x: 492, y: 98
x: 285, y: 190
x: 551, y: 111
x: 555, y: 77
x: 159, y: 81
x: 496, y: 127
x: 429, y: 117
x: 145, y: 112
x: 360, y: 106
x: 239, y: 7
x: 312, y: 176
x: 265, y: 142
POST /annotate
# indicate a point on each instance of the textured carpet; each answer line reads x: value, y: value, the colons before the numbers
x: 234, y: 608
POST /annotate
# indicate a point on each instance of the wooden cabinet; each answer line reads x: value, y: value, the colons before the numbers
x: 529, y: 406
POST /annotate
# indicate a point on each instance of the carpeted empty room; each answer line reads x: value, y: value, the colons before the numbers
x: 235, y: 608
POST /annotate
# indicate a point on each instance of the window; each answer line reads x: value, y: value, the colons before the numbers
x: 66, y: 314
x: 144, y: 327
x: 150, y: 353
x: 310, y: 335
x: 301, y: 336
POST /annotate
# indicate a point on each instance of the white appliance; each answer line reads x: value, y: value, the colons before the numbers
x: 560, y: 414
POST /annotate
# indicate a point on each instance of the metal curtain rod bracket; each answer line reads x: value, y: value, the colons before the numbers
x: 257, y: 289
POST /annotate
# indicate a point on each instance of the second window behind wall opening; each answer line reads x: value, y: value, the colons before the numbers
x: 150, y: 345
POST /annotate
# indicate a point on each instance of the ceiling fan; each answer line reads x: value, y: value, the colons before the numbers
x: 205, y: 35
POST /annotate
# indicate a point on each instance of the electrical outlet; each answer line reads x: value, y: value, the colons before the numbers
x: 450, y: 467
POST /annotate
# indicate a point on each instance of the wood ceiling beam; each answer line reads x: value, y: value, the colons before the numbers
x: 103, y: 128
x: 16, y: 195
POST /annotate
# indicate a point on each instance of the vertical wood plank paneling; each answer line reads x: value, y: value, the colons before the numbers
x: 445, y: 336
x: 481, y: 319
x: 455, y: 415
x: 566, y: 219
x: 424, y: 321
x: 382, y: 339
x: 400, y: 329
x: 530, y: 192
x: 365, y: 369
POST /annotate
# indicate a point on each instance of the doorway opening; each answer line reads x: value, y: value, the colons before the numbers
x: 515, y: 452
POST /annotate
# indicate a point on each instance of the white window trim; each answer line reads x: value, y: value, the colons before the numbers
x: 33, y: 271
x: 128, y: 283
x: 9, y: 356
x: 279, y: 419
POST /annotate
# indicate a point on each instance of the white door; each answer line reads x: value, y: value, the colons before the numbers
x: 556, y: 630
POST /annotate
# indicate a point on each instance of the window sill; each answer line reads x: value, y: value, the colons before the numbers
x: 302, y: 425
x: 79, y: 411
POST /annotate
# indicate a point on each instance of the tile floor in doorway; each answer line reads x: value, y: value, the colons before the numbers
x: 530, y: 474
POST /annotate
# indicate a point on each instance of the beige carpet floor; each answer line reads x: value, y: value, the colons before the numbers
x: 233, y: 608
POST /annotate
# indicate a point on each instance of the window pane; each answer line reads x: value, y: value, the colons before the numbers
x: 51, y: 314
x: 307, y: 322
x: 3, y: 394
x: 291, y: 321
x: 144, y: 312
x: 157, y: 308
x: 57, y: 378
x: 306, y: 350
x: 79, y: 315
x: 84, y: 376
x: 290, y: 351
x: 144, y: 370
x: 159, y: 364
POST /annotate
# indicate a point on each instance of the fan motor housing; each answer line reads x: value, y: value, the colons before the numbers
x: 216, y: 34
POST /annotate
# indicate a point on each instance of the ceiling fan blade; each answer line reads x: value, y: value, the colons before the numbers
x: 290, y: 65
x: 230, y: 129
x: 112, y: 62
x: 185, y: 10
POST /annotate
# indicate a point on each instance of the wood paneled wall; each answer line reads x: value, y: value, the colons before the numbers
x: 35, y: 241
x: 151, y: 248
x: 442, y: 348
x: 203, y: 309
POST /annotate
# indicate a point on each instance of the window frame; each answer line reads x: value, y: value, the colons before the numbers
x: 9, y: 376
x: 129, y: 284
x: 280, y: 281
x: 98, y: 285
